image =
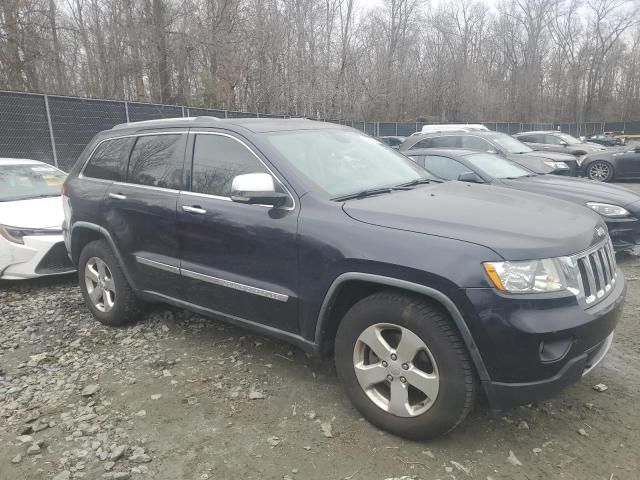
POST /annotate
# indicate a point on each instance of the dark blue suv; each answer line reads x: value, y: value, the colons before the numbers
x: 426, y: 293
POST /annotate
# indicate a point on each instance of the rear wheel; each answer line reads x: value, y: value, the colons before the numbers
x: 104, y: 287
x: 600, y: 170
x: 404, y: 366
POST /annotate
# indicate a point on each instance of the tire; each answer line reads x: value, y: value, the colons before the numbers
x: 600, y: 171
x: 104, y: 287
x: 446, y: 366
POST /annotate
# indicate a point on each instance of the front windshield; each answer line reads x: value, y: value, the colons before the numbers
x: 570, y: 140
x: 510, y: 144
x: 343, y: 162
x: 21, y: 182
x: 497, y: 167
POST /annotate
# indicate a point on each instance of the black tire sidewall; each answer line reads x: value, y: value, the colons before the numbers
x: 431, y: 324
x: 125, y: 305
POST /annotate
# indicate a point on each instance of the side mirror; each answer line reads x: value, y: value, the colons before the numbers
x: 256, y: 188
x: 563, y: 143
x: 470, y: 177
x: 492, y: 151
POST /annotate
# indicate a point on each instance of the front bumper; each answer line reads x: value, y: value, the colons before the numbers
x: 39, y: 256
x: 535, y: 346
x: 624, y: 232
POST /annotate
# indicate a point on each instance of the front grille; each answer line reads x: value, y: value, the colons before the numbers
x: 597, y: 272
x: 56, y: 260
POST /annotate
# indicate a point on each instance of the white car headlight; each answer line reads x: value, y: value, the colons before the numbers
x: 534, y: 276
x: 557, y: 165
x: 608, y: 210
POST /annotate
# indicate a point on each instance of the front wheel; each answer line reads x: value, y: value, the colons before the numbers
x: 600, y: 171
x: 404, y: 366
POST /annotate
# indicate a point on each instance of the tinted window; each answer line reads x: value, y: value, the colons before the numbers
x: 551, y: 140
x: 216, y: 160
x: 156, y: 160
x: 426, y: 143
x: 449, y: 141
x: 528, y: 138
x: 444, y: 167
x: 476, y: 143
x: 109, y: 160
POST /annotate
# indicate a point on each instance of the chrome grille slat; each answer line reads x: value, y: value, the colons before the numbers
x: 597, y: 271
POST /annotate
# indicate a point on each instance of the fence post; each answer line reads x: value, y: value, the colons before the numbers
x: 126, y: 111
x: 396, y: 128
x: 182, y: 111
x: 51, y: 136
x: 225, y: 114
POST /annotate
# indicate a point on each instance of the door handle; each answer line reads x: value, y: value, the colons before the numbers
x: 194, y: 209
x: 117, y: 196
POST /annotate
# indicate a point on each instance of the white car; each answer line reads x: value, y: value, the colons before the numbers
x: 31, y: 243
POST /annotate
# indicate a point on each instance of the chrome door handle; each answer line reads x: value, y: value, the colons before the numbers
x: 195, y: 209
x: 117, y: 196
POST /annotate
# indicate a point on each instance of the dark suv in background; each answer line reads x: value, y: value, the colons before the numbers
x: 500, y: 144
x: 423, y: 291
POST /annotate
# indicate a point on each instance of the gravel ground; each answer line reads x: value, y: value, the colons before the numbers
x: 178, y: 396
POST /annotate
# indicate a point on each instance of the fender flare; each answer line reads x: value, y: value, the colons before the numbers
x: 436, y: 295
x: 107, y: 236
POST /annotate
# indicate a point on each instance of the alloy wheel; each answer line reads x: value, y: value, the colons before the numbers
x: 396, y: 370
x: 100, y: 285
x: 599, y: 171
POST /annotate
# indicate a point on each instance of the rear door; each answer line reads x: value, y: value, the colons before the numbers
x: 141, y: 211
x: 238, y: 260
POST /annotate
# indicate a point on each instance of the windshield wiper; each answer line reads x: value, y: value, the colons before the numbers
x: 364, y: 193
x: 419, y: 181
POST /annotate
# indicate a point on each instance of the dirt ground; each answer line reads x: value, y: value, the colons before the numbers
x: 181, y: 397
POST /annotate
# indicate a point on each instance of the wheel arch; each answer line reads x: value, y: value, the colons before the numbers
x: 82, y: 233
x: 351, y: 287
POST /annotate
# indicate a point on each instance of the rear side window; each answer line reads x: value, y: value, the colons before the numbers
x: 109, y: 160
x: 217, y: 159
x: 449, y: 141
x: 157, y: 160
x: 426, y: 143
x: 476, y: 143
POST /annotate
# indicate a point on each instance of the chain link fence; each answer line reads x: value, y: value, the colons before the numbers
x: 55, y: 129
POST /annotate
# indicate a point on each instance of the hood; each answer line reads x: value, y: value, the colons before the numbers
x: 592, y: 147
x: 516, y: 225
x: 555, y: 156
x: 577, y: 190
x: 33, y: 213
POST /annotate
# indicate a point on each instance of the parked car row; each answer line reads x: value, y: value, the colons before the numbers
x: 541, y: 151
x: 462, y: 271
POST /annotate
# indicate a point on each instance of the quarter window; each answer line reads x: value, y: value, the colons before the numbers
x: 217, y: 159
x: 109, y: 160
x: 156, y: 161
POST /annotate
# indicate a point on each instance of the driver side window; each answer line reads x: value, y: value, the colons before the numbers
x: 551, y: 140
x: 217, y: 159
x: 476, y: 143
x: 444, y: 167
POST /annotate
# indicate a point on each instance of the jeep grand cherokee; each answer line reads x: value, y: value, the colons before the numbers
x: 424, y: 292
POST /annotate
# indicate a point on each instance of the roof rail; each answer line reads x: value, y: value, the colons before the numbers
x: 165, y: 120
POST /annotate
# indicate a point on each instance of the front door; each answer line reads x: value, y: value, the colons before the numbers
x: 237, y: 260
x: 141, y: 212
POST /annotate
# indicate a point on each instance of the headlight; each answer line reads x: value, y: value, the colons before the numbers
x: 16, y: 234
x: 534, y: 276
x: 557, y: 165
x: 608, y: 210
